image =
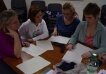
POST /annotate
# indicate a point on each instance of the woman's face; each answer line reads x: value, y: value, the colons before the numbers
x: 38, y: 17
x: 14, y: 23
x: 67, y: 13
x: 91, y: 19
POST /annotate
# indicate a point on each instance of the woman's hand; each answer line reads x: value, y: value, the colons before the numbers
x: 55, y: 33
x: 31, y: 41
x: 17, y: 42
x: 26, y: 44
x: 12, y: 33
x: 86, y: 55
x: 102, y: 57
x: 70, y: 47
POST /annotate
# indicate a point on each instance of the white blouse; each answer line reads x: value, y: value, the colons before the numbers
x: 29, y: 30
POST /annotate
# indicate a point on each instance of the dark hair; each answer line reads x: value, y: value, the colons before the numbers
x: 33, y: 11
x: 70, y: 7
x: 5, y: 18
x: 92, y: 9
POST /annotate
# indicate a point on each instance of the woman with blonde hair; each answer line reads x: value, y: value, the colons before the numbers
x: 10, y: 44
x: 67, y: 22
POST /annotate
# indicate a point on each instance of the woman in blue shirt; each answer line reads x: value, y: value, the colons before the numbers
x: 67, y: 22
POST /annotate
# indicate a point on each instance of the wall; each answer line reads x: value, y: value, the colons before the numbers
x: 79, y: 5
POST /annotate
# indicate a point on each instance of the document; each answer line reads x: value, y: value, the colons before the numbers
x: 33, y: 50
x: 75, y: 54
x: 45, y: 44
x: 33, y: 65
x: 59, y: 39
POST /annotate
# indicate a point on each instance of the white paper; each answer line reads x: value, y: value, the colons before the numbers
x: 102, y: 71
x: 50, y: 72
x: 25, y: 56
x: 45, y: 44
x: 33, y: 50
x: 59, y: 39
x: 75, y: 54
x: 33, y: 65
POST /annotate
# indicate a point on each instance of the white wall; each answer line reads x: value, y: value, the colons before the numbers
x: 79, y: 5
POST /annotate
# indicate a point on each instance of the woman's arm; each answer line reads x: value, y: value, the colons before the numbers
x: 17, y: 43
x: 44, y: 34
x: 55, y: 33
x: 74, y: 37
x: 102, y: 47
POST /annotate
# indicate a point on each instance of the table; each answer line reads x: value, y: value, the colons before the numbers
x: 53, y: 56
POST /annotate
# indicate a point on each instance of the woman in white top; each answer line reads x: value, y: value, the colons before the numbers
x: 35, y: 27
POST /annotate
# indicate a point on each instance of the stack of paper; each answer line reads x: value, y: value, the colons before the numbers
x: 34, y: 50
x: 33, y: 65
x: 75, y: 54
x: 45, y: 44
x: 59, y: 39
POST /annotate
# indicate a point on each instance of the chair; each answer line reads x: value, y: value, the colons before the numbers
x: 20, y: 7
x: 53, y: 10
x: 5, y: 68
x: 39, y: 3
x: 2, y: 6
x: 103, y: 15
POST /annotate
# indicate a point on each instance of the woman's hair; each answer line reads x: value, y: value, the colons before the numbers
x: 70, y: 7
x: 92, y: 9
x: 33, y: 11
x: 5, y: 17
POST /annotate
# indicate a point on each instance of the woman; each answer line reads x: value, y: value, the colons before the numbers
x: 66, y: 23
x: 90, y: 32
x: 10, y: 44
x: 35, y: 27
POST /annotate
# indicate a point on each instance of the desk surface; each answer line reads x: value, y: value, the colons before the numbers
x: 53, y: 56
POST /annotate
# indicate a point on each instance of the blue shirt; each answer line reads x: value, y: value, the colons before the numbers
x: 66, y: 30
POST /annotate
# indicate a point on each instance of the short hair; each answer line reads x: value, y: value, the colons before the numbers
x: 92, y: 9
x: 70, y: 7
x: 5, y: 17
x: 33, y: 11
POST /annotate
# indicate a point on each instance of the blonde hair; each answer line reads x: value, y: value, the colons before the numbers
x: 5, y: 17
x: 70, y: 7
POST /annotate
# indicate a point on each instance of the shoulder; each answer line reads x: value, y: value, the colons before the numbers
x: 83, y: 23
x: 77, y: 20
x: 59, y: 16
x: 101, y: 27
x: 3, y: 36
x: 27, y: 23
x: 43, y: 22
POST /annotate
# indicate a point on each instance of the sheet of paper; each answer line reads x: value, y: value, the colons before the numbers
x: 75, y: 54
x: 33, y: 65
x: 25, y: 56
x: 59, y: 39
x: 102, y: 71
x: 33, y: 50
x: 45, y: 44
